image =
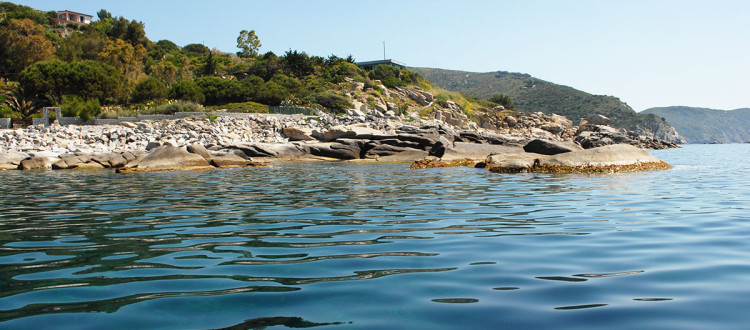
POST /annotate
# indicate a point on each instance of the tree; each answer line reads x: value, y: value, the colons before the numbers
x: 196, y: 50
x: 299, y: 64
x: 48, y: 79
x: 248, y: 43
x: 503, y: 100
x: 20, y: 100
x: 81, y: 46
x: 9, y: 11
x: 210, y: 67
x: 103, y: 14
x: 149, y: 89
x: 167, y: 46
x: 388, y: 75
x: 22, y: 43
x: 165, y: 71
x: 186, y: 90
x: 126, y: 58
x: 96, y: 80
x: 73, y: 105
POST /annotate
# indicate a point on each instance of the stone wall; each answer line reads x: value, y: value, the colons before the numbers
x: 45, y: 120
x: 5, y: 123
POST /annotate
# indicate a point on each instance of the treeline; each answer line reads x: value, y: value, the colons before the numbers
x: 112, y: 62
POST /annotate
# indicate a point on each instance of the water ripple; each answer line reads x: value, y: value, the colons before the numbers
x: 378, y: 246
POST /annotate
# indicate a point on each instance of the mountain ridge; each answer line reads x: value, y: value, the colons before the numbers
x: 532, y: 94
x: 705, y: 125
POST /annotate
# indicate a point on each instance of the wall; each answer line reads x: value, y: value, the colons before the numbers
x: 5, y: 123
x: 45, y: 120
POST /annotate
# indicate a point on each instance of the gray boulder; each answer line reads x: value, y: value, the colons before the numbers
x: 110, y: 160
x: 596, y: 119
x: 611, y: 158
x: 36, y: 163
x: 298, y: 133
x: 276, y: 150
x: 438, y: 149
x: 171, y: 158
x: 230, y: 161
x: 11, y: 160
x: 477, y: 151
x: 342, y: 149
x: 199, y: 149
x: 547, y: 147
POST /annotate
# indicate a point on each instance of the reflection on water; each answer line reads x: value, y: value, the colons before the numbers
x: 376, y: 246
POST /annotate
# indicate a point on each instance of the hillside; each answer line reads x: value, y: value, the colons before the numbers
x: 702, y: 125
x: 532, y: 95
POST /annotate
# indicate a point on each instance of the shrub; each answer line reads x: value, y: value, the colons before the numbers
x: 186, y: 90
x: 442, y: 100
x: 390, y: 76
x: 6, y: 112
x: 332, y: 101
x: 272, y: 94
x: 180, y: 106
x: 503, y: 100
x: 149, y: 89
x: 248, y: 107
x: 73, y: 105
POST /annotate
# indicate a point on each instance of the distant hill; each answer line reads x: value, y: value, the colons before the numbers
x: 532, y: 94
x: 702, y: 125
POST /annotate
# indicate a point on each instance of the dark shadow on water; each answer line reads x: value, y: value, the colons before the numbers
x: 289, y: 322
x: 562, y: 278
x: 565, y: 308
x: 456, y: 300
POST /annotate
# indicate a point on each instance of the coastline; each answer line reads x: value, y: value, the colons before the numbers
x: 257, y: 139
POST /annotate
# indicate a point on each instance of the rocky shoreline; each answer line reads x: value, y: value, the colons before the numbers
x: 203, y: 142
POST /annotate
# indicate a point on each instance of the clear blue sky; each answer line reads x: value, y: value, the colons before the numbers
x: 648, y: 53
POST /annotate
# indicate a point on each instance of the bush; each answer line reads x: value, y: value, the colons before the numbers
x: 149, y: 89
x: 272, y: 94
x: 332, y: 101
x: 186, y: 90
x: 6, y: 112
x: 180, y: 106
x: 73, y: 106
x: 503, y: 100
x: 248, y: 107
x: 390, y: 76
x: 442, y: 100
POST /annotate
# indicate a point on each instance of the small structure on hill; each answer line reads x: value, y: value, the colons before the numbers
x: 370, y: 65
x: 67, y: 16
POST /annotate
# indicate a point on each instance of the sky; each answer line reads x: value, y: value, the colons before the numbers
x: 648, y: 53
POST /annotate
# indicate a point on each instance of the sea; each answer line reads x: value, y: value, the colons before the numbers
x: 380, y: 246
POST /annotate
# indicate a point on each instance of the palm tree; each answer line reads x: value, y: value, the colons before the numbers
x: 21, y: 101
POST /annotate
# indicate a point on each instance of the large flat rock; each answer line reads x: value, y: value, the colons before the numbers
x: 476, y: 151
x: 611, y: 158
x: 170, y: 158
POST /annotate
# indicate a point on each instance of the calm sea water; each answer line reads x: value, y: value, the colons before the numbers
x: 380, y: 246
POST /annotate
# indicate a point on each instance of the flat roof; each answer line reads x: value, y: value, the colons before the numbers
x: 381, y: 62
x: 72, y: 12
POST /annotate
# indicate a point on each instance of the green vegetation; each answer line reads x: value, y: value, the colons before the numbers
x: 112, y: 62
x: 392, y: 77
x: 503, y: 100
x: 528, y: 94
x: 75, y: 106
x: 247, y: 107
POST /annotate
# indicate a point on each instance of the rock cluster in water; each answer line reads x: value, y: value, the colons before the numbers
x: 375, y: 135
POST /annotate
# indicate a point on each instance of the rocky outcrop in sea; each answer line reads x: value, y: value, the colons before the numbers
x: 364, y: 133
